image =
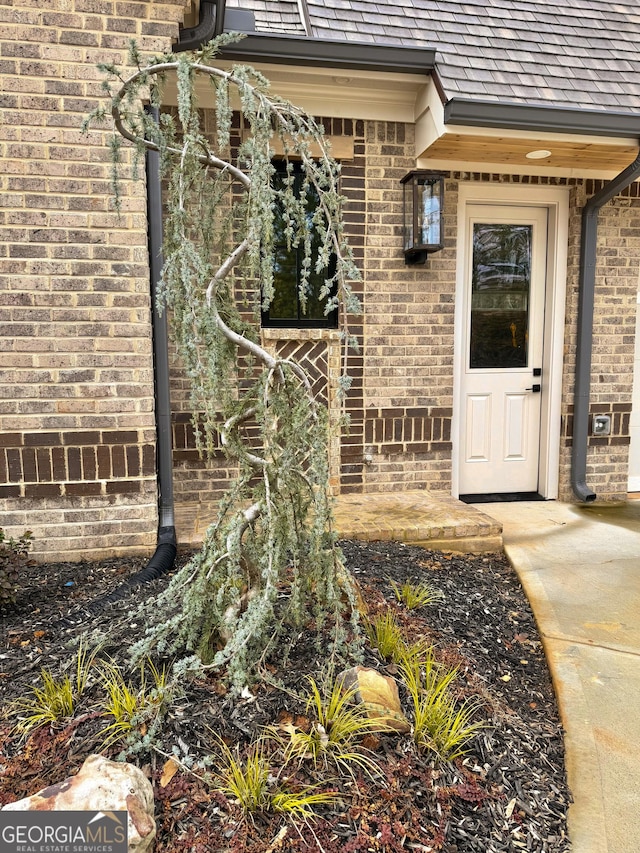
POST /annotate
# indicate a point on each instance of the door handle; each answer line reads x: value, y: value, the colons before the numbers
x: 535, y: 388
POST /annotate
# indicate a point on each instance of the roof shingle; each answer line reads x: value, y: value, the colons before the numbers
x: 582, y: 54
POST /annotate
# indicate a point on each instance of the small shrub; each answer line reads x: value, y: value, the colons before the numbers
x: 385, y: 635
x: 253, y: 784
x: 49, y: 703
x: 416, y: 595
x: 57, y: 698
x: 334, y: 733
x: 13, y: 556
x: 246, y: 782
x: 440, y: 723
x: 132, y: 708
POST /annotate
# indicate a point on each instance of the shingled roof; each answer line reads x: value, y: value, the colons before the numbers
x: 581, y: 53
x: 283, y: 16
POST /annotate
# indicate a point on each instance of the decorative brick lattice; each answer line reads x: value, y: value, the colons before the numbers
x: 312, y: 357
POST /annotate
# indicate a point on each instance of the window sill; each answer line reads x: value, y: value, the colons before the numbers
x: 281, y: 334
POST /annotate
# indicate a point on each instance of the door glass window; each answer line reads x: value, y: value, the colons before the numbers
x: 500, y: 296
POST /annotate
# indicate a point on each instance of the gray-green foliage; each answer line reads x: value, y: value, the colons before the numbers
x: 270, y: 560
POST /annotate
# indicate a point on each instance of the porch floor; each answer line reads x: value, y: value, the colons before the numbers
x: 416, y: 517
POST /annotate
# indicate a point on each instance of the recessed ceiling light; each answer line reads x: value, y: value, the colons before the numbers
x: 538, y: 154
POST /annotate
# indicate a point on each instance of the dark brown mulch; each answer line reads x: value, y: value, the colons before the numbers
x: 508, y: 794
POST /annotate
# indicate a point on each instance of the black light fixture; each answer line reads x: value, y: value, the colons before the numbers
x: 423, y: 199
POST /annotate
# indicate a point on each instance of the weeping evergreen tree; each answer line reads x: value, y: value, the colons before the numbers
x: 269, y: 562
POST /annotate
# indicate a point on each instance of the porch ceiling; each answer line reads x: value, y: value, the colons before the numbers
x: 595, y: 155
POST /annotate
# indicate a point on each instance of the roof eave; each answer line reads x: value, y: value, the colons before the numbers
x: 298, y: 50
x: 541, y: 118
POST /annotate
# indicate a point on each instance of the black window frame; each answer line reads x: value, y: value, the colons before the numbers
x: 327, y: 321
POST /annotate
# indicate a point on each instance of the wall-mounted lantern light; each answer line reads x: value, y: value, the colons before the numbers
x: 423, y: 215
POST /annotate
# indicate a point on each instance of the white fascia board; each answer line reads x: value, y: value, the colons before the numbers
x: 430, y: 126
x: 334, y: 92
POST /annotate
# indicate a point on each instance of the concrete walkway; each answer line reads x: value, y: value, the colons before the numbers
x: 580, y: 568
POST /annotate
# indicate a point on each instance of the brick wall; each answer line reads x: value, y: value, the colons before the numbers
x: 400, y: 401
x: 76, y: 386
x: 408, y: 334
x: 617, y: 265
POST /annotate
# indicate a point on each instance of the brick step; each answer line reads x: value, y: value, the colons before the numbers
x: 415, y: 517
x: 418, y: 518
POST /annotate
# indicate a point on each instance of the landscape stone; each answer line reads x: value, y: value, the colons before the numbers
x: 102, y: 785
x: 379, y: 695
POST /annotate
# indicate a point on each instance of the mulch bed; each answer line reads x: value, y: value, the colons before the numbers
x: 508, y: 793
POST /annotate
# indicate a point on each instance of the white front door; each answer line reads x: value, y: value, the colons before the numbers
x: 505, y: 271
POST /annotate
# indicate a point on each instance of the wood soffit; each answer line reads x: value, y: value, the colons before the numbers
x: 574, y: 155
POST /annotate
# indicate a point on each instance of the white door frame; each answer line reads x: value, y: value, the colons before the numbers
x: 556, y: 201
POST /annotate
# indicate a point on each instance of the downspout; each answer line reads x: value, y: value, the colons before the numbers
x: 586, y: 301
x: 166, y: 550
x: 210, y: 25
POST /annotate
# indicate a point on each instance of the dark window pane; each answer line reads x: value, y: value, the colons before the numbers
x: 287, y: 309
x: 284, y: 303
x: 500, y: 294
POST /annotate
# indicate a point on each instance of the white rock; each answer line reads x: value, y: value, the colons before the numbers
x: 102, y: 785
